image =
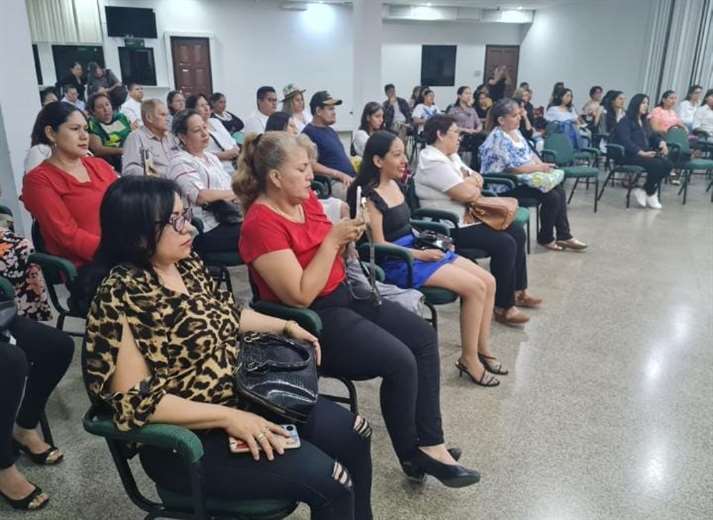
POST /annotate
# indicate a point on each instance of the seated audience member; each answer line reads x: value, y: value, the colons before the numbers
x: 372, y: 120
x: 424, y: 109
x: 703, y: 118
x: 524, y: 85
x: 643, y: 147
x: 266, y: 105
x: 443, y: 182
x: 230, y: 121
x: 107, y: 130
x: 63, y: 193
x: 39, y: 151
x: 48, y: 96
x: 397, y: 112
x: 562, y: 111
x: 498, y: 82
x: 71, y: 96
x: 293, y: 102
x: 221, y: 143
x: 149, y: 271
x: 333, y: 160
x: 592, y: 110
x: 613, y: 104
x: 687, y: 108
x: 389, y: 218
x: 149, y: 148
x: 132, y: 106
x: 468, y: 123
x: 205, y: 182
x: 415, y: 96
x: 506, y: 151
x: 30, y: 369
x: 176, y: 102
x: 522, y: 97
x: 664, y: 116
x: 483, y: 104
x: 281, y: 122
x: 294, y: 255
x: 100, y: 80
x: 73, y: 77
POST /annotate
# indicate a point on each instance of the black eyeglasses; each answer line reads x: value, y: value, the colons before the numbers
x: 178, y: 222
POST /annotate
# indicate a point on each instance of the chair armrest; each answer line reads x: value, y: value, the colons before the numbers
x: 699, y: 132
x: 438, y: 227
x: 322, y: 189
x: 502, y: 176
x: 306, y: 318
x: 326, y: 181
x: 549, y: 156
x: 436, y: 215
x: 508, y: 182
x: 595, y: 153
x: 615, y: 151
x: 393, y: 252
x: 55, y: 269
x: 674, y: 150
x: 166, y: 436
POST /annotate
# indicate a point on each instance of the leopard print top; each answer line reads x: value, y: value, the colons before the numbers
x: 188, y: 341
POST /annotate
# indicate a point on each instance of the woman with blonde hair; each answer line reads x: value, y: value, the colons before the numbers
x: 293, y: 102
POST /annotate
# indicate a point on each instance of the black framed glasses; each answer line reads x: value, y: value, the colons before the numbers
x: 178, y: 222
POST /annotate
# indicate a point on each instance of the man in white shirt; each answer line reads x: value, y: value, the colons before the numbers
x: 266, y: 105
x: 132, y: 106
x: 148, y: 149
x: 71, y: 96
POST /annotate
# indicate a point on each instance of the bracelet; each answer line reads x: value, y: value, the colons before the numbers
x: 285, y: 329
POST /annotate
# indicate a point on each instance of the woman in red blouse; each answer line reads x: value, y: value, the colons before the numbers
x: 295, y: 256
x: 65, y: 191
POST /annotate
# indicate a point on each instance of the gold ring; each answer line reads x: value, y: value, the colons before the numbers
x: 260, y: 437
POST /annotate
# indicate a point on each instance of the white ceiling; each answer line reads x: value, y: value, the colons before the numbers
x: 480, y: 4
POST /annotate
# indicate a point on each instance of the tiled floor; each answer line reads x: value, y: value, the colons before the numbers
x: 606, y: 413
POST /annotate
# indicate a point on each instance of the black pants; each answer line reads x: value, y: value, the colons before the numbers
x: 656, y: 169
x: 471, y: 143
x: 220, y: 239
x: 42, y: 355
x: 553, y: 213
x: 306, y: 474
x: 508, y: 261
x: 361, y: 341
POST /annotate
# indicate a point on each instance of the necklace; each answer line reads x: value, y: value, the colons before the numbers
x: 300, y: 210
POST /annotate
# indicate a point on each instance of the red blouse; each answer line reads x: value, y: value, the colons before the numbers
x: 66, y: 209
x: 264, y: 231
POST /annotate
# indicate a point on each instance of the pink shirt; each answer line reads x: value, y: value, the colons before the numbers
x: 662, y: 119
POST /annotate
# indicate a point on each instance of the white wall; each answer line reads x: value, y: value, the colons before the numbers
x: 591, y: 43
x: 401, y: 53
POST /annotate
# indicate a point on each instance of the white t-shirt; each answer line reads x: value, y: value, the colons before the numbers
x: 194, y: 174
x: 436, y: 174
x: 255, y: 123
x: 220, y: 140
x: 686, y: 111
x: 301, y: 123
x: 423, y: 112
x: 132, y: 110
x: 703, y: 119
x: 359, y: 141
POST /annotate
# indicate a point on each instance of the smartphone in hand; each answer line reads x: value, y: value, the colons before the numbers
x: 240, y: 446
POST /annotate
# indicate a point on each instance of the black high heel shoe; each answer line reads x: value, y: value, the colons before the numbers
x: 482, y: 381
x: 25, y: 503
x: 450, y: 475
x: 417, y: 475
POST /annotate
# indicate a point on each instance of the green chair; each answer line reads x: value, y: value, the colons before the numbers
x: 322, y: 188
x: 559, y: 150
x: 680, y: 153
x: 7, y: 292
x: 616, y: 163
x: 218, y: 262
x: 57, y: 271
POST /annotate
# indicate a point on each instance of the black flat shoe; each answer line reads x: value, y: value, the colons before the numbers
x: 43, y: 459
x: 450, y: 475
x: 24, y: 503
x: 417, y: 475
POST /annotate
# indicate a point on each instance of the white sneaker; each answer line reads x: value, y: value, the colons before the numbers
x: 639, y: 196
x: 652, y: 201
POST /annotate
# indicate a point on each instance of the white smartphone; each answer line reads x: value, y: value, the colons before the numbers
x: 240, y: 446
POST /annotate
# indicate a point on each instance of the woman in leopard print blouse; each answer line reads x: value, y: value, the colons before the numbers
x: 161, y: 347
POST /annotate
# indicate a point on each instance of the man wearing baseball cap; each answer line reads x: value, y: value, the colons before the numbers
x: 333, y: 160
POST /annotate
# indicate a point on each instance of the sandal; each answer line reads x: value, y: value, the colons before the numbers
x: 26, y: 503
x: 482, y: 381
x: 553, y: 246
x: 492, y: 365
x: 44, y: 458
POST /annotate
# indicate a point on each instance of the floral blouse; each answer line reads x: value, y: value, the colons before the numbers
x: 189, y: 341
x: 500, y: 153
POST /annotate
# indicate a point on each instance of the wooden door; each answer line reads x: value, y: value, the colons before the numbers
x: 191, y: 65
x: 508, y: 55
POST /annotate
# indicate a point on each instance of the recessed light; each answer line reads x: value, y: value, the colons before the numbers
x: 519, y: 8
x: 428, y: 4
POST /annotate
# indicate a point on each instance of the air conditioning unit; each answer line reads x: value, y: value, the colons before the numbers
x: 294, y: 6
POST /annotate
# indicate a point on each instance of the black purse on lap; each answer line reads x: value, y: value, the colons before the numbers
x: 277, y: 374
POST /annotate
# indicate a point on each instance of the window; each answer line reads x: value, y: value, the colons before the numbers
x: 38, y: 69
x: 438, y: 65
x: 65, y: 55
x: 137, y: 64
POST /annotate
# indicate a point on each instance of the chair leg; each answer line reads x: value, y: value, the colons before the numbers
x: 606, y: 181
x: 686, y: 177
x: 529, y: 238
x: 60, y: 321
x: 45, y: 427
x: 434, y: 316
x: 596, y: 189
x: 571, y: 194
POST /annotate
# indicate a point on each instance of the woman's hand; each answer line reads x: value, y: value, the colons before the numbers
x: 428, y: 255
x: 293, y: 330
x: 663, y: 147
x: 345, y: 231
x: 256, y: 432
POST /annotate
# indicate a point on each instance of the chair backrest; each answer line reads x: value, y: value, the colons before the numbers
x: 4, y: 210
x: 559, y: 143
x: 678, y: 136
x: 37, y: 239
x: 615, y: 152
x: 411, y: 197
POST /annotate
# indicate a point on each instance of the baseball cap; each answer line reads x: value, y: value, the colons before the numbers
x: 322, y: 98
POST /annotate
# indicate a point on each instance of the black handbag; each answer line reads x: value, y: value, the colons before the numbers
x: 429, y: 239
x: 277, y: 374
x: 226, y: 213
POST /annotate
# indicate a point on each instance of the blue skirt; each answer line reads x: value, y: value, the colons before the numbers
x: 397, y: 273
